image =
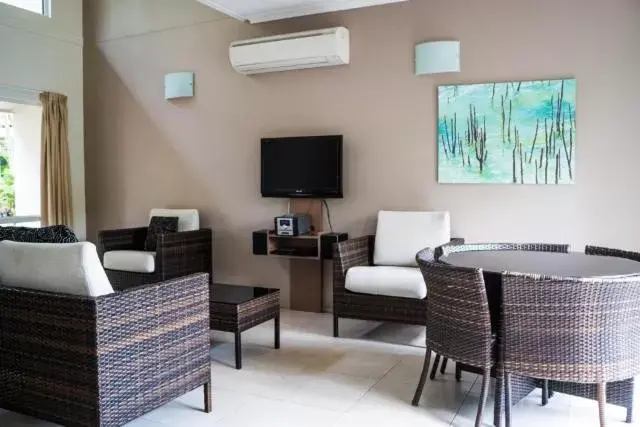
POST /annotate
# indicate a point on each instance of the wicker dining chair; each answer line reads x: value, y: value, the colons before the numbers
x: 619, y: 393
x: 458, y: 321
x: 455, y: 247
x: 592, y: 332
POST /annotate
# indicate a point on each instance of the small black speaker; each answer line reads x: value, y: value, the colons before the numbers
x: 261, y: 242
x: 327, y: 241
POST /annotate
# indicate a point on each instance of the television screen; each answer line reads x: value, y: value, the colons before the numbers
x: 309, y: 166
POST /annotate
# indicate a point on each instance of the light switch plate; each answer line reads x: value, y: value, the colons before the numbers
x: 178, y: 85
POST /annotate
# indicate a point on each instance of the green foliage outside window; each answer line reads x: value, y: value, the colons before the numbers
x: 7, y: 191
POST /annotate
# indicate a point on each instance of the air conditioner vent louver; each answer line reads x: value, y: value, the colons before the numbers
x: 310, y: 49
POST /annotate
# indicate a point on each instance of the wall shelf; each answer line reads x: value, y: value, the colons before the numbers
x: 305, y: 253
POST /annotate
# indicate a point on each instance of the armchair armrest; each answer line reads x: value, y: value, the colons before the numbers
x: 183, y: 253
x: 152, y: 341
x: 122, y: 239
x: 351, y: 253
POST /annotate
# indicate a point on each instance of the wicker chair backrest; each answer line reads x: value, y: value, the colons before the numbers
x: 458, y: 321
x: 532, y: 247
x: 577, y: 330
x: 619, y: 253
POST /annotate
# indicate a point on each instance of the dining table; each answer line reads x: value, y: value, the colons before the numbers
x: 560, y: 264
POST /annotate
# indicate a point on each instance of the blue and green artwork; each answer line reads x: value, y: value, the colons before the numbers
x: 507, y: 133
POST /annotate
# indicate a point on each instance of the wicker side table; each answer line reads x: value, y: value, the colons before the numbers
x: 236, y: 308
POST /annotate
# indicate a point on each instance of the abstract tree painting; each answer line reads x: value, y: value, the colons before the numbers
x: 507, y: 133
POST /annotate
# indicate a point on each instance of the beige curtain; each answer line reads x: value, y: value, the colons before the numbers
x: 55, y: 174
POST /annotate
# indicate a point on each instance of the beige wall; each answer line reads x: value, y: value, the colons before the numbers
x: 42, y: 53
x: 143, y: 151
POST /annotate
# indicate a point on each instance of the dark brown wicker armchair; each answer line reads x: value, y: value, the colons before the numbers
x: 177, y: 254
x: 593, y: 337
x: 347, y: 304
x: 86, y: 362
x: 458, y: 321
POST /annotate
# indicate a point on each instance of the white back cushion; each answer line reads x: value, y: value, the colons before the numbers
x: 68, y: 268
x: 401, y: 235
x: 188, y: 219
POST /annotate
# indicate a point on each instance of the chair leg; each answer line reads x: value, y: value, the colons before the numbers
x: 486, y: 377
x: 545, y: 392
x: 207, y: 397
x: 336, y: 331
x: 629, y: 419
x: 507, y: 399
x: 602, y: 402
x: 443, y: 368
x: 434, y: 369
x: 423, y: 378
x: 458, y: 373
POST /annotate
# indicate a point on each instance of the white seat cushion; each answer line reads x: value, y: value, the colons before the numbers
x: 133, y: 261
x: 188, y: 219
x: 68, y: 268
x: 404, y: 282
x: 401, y: 235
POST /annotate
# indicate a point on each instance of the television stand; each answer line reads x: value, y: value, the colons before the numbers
x: 306, y: 255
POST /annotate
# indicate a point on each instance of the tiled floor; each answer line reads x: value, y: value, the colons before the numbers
x: 366, y: 379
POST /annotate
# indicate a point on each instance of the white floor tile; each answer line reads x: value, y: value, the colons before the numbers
x: 264, y: 412
x: 366, y: 378
x: 331, y: 391
x: 188, y: 410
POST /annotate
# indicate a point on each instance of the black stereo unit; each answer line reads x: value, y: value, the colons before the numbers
x: 261, y: 242
x: 327, y: 241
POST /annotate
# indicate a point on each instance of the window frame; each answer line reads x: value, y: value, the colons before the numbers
x: 45, y: 9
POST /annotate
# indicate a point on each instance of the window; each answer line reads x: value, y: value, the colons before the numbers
x: 7, y: 191
x: 41, y: 7
x: 20, y: 164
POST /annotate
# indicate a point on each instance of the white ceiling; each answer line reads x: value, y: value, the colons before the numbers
x: 255, y: 11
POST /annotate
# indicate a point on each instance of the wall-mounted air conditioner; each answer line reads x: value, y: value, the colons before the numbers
x: 309, y: 49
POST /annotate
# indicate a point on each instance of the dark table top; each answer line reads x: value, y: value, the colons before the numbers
x: 573, y: 264
x: 236, y: 294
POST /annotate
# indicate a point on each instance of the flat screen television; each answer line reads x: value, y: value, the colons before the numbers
x: 309, y: 166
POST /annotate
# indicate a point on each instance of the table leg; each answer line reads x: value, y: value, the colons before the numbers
x: 238, y: 342
x: 276, y: 332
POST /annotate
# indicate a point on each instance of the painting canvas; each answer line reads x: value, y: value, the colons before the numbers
x: 507, y: 133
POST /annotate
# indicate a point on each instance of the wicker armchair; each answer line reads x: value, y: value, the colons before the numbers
x: 458, y: 321
x: 177, y: 254
x: 347, y: 304
x: 85, y: 362
x: 598, y: 345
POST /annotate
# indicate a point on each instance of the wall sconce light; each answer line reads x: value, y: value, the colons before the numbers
x: 178, y: 85
x: 437, y: 57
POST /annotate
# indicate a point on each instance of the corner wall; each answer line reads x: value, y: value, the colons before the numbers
x: 143, y: 151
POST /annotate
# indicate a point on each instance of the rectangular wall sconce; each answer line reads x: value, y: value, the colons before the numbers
x: 437, y: 57
x: 178, y: 85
